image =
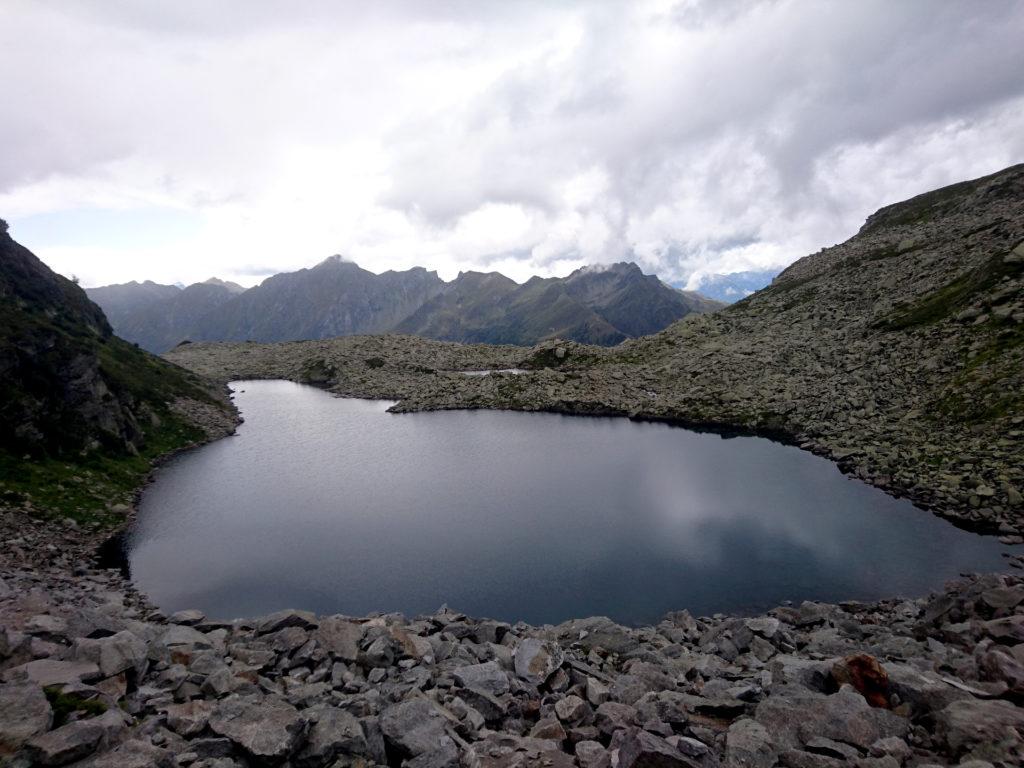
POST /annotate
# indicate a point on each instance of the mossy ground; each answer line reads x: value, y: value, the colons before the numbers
x: 952, y: 297
x: 65, y: 705
x: 84, y: 487
x: 978, y: 394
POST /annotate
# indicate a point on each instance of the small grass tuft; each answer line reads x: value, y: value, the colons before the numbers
x: 64, y: 705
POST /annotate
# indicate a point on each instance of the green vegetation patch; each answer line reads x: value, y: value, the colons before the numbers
x: 979, y: 394
x: 84, y: 487
x: 64, y: 705
x: 318, y: 371
x: 950, y: 298
x: 146, y: 377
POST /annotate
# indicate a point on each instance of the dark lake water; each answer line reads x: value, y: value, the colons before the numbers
x: 335, y: 506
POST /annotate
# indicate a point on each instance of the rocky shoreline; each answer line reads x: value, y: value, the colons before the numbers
x: 94, y: 675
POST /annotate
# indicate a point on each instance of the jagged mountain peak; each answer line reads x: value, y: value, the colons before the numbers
x: 613, y: 268
x: 232, y: 287
x: 335, y: 260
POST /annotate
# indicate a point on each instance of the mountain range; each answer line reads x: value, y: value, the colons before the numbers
x: 598, y: 305
x: 734, y: 286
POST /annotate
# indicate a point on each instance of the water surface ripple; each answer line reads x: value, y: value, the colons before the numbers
x: 335, y: 506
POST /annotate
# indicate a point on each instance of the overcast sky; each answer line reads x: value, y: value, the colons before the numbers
x: 181, y: 139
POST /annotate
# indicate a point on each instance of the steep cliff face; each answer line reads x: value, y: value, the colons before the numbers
x: 67, y: 384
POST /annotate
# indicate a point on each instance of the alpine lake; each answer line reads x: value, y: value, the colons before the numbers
x: 336, y: 506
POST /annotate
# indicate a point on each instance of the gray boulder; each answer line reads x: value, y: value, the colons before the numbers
x: 77, y: 739
x: 178, y: 636
x: 115, y: 654
x: 267, y: 728
x: 590, y: 754
x: 492, y: 708
x: 793, y: 716
x: 640, y: 749
x: 134, y: 753
x: 445, y: 756
x: 47, y: 672
x: 536, y: 660
x: 335, y: 732
x: 999, y: 666
x: 24, y: 712
x: 748, y: 745
x: 286, y: 618
x: 1008, y: 630
x: 599, y: 634
x: 189, y: 718
x: 987, y: 730
x: 612, y: 716
x: 340, y: 637
x: 488, y: 677
x: 189, y: 617
x: 414, y: 727
x: 571, y: 709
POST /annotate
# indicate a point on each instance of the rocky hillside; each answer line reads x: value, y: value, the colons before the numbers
x: 337, y: 298
x: 75, y: 399
x: 899, y: 354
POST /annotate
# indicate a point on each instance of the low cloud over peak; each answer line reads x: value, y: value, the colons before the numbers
x: 692, y: 137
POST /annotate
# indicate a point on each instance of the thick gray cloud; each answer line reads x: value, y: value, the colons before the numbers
x: 528, y: 137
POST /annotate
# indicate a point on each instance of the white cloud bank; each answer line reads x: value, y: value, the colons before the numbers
x: 528, y: 137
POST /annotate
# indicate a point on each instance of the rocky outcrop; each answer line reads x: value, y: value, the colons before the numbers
x: 899, y: 354
x: 92, y: 675
x: 82, y: 412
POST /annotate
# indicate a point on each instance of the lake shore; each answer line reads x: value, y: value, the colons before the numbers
x: 898, y: 682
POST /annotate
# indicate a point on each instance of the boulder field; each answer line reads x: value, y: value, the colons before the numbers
x: 93, y: 675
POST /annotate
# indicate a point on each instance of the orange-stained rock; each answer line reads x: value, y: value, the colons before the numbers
x: 866, y: 675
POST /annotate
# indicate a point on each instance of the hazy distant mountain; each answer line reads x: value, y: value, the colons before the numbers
x: 119, y: 302
x: 598, y: 305
x: 334, y: 298
x: 735, y: 285
x: 157, y: 317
